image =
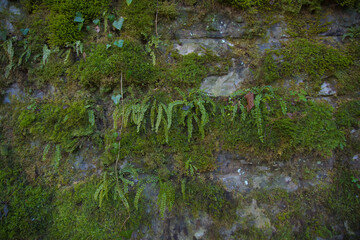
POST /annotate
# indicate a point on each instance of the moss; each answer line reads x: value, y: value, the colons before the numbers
x: 25, y: 209
x: 103, y: 67
x: 140, y: 18
x: 302, y: 56
x: 348, y: 114
x: 56, y: 122
x: 75, y: 206
x: 62, y: 27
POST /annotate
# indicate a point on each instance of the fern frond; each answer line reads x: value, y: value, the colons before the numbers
x: 189, y: 126
x: 122, y: 197
x: 137, y: 196
x: 258, y: 117
x: 243, y: 111
x: 283, y: 106
x: 46, y: 150
x: 181, y: 93
x: 91, y: 117
x: 159, y: 116
x: 169, y: 111
x: 127, y: 113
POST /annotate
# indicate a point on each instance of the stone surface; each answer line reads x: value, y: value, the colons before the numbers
x: 12, y: 92
x: 339, y: 21
x: 217, y: 46
x: 3, y: 5
x: 327, y: 89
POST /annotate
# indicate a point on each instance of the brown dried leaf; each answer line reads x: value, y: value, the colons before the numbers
x: 250, y: 101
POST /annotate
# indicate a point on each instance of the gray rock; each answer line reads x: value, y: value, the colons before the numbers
x: 224, y: 85
x: 218, y: 46
x: 14, y: 10
x: 12, y: 92
x: 3, y: 5
x: 327, y: 89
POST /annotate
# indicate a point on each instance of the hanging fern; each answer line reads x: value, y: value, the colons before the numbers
x: 258, y: 117
x: 166, y: 197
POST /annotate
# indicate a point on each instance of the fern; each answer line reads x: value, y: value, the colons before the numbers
x: 46, y: 150
x: 137, y: 196
x: 46, y: 54
x: 9, y: 50
x: 258, y: 117
x: 57, y: 157
x: 189, y: 126
x: 234, y: 110
x: 91, y: 117
x: 166, y: 197
x: 159, y: 116
x: 243, y: 111
x: 283, y: 106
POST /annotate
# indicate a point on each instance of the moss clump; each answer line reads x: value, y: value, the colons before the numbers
x: 25, y: 209
x: 348, y: 115
x: 55, y: 122
x: 103, y: 67
x: 302, y: 56
x: 62, y: 27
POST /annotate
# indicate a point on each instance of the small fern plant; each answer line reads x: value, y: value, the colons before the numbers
x: 118, y: 185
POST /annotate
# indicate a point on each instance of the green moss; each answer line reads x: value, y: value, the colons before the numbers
x: 62, y: 27
x: 302, y: 56
x: 25, y: 209
x: 55, y: 122
x: 103, y: 67
x: 348, y: 114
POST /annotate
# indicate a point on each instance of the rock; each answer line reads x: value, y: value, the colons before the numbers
x: 224, y: 85
x: 217, y: 46
x: 14, y: 10
x: 3, y: 5
x: 12, y: 92
x: 327, y: 89
x: 339, y: 21
x: 260, y: 220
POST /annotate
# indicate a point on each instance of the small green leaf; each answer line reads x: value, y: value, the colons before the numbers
x: 96, y: 21
x: 88, y: 28
x: 110, y: 35
x: 119, y: 43
x: 118, y: 24
x: 108, y: 46
x: 111, y: 17
x: 128, y: 2
x: 116, y: 99
x: 3, y: 34
x: 79, y: 18
x: 24, y: 31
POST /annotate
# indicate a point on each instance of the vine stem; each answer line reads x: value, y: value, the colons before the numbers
x: 156, y: 17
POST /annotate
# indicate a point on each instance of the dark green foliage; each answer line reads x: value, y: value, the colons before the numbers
x: 348, y: 114
x: 58, y: 123
x: 103, y: 67
x: 25, y: 209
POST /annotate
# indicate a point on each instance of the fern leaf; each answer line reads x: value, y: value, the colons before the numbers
x: 137, y: 196
x: 158, y: 119
x: 46, y: 150
x: 283, y: 106
x: 126, y: 116
x: 170, y: 109
x: 243, y: 111
x: 258, y: 117
x: 91, y: 117
x: 122, y: 197
x: 57, y: 157
x: 162, y: 204
x: 181, y: 93
x: 235, y: 108
x: 189, y: 126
